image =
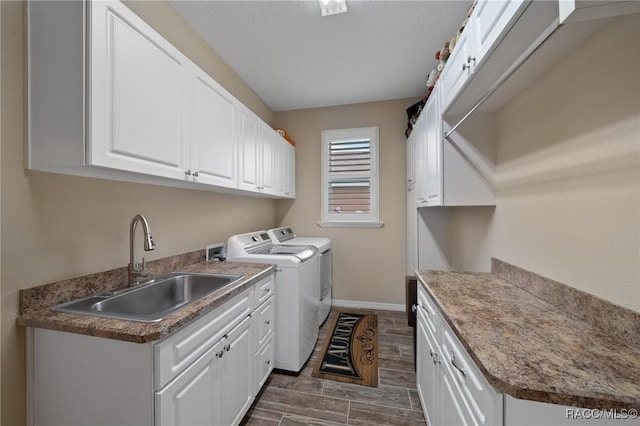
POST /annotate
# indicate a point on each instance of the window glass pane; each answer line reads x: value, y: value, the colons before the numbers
x: 350, y: 196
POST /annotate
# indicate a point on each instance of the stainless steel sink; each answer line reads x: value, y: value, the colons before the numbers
x: 153, y: 300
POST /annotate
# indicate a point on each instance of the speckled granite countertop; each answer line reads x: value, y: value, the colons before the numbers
x: 530, y: 349
x: 36, y: 302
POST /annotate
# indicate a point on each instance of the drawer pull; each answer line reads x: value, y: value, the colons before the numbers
x: 434, y: 357
x: 227, y: 347
x: 267, y: 322
x: 267, y: 290
x: 219, y: 354
x: 455, y: 364
x: 424, y: 308
x: 268, y: 362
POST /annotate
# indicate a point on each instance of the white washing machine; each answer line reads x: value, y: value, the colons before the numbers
x: 286, y: 236
x: 296, y: 293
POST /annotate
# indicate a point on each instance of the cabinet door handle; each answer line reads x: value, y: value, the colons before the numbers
x: 424, y: 308
x: 268, y: 362
x: 434, y: 357
x: 187, y: 173
x: 414, y: 308
x: 467, y: 66
x: 267, y: 322
x: 195, y: 173
x: 455, y: 364
x: 219, y: 354
x: 267, y: 290
x: 227, y: 347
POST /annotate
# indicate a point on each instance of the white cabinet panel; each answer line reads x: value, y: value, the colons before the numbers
x: 187, y: 400
x: 492, y: 19
x: 139, y: 95
x: 236, y: 383
x: 419, y: 135
x: 269, y: 150
x: 249, y: 146
x: 458, y: 68
x: 435, y: 184
x: 213, y: 132
x: 452, y: 389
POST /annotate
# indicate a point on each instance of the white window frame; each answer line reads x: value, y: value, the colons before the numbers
x: 353, y: 220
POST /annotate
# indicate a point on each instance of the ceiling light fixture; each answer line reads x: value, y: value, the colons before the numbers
x: 332, y: 7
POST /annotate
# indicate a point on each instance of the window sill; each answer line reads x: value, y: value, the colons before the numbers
x: 350, y: 224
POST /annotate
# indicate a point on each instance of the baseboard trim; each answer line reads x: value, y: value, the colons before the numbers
x: 368, y: 305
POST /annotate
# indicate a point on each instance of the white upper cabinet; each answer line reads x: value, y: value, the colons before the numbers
x: 269, y: 146
x: 214, y: 142
x: 139, y: 96
x: 249, y: 146
x: 434, y: 184
x: 458, y: 68
x: 490, y: 21
x: 109, y: 97
x: 265, y: 162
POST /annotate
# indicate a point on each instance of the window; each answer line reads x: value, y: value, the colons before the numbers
x: 350, y: 177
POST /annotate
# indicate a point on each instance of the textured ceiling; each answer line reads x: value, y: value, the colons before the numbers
x: 294, y: 58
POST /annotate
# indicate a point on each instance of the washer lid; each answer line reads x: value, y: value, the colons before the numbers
x: 301, y: 252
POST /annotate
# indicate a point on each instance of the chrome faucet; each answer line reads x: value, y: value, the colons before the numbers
x: 137, y: 270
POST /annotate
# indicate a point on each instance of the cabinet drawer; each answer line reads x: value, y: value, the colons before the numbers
x: 428, y: 309
x: 480, y: 396
x: 263, y: 290
x: 179, y: 350
x: 265, y: 359
x: 264, y: 318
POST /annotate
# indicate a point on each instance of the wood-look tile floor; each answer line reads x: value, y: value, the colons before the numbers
x: 306, y: 400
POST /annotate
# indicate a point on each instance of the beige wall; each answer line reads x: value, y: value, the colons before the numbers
x: 369, y: 264
x: 568, y: 169
x: 57, y: 226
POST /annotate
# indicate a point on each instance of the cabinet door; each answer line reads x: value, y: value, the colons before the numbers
x: 455, y: 409
x: 264, y: 363
x: 139, y: 93
x: 249, y: 145
x: 236, y: 381
x: 213, y: 132
x: 492, y: 19
x: 427, y: 371
x: 458, y: 68
x: 434, y: 177
x: 420, y: 160
x: 189, y: 399
x: 290, y: 176
x: 281, y: 163
x: 268, y: 150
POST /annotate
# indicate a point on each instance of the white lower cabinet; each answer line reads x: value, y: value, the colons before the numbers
x: 451, y: 388
x: 216, y: 390
x: 206, y: 373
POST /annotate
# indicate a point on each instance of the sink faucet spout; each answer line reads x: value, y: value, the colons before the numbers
x: 137, y: 270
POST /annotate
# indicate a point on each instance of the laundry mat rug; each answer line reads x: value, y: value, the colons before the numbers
x: 350, y: 353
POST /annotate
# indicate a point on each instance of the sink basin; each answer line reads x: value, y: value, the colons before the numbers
x: 153, y: 300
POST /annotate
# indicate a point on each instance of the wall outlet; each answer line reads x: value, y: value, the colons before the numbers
x: 216, y: 252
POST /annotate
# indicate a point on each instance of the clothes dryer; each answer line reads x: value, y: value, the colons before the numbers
x: 286, y: 235
x: 296, y: 293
